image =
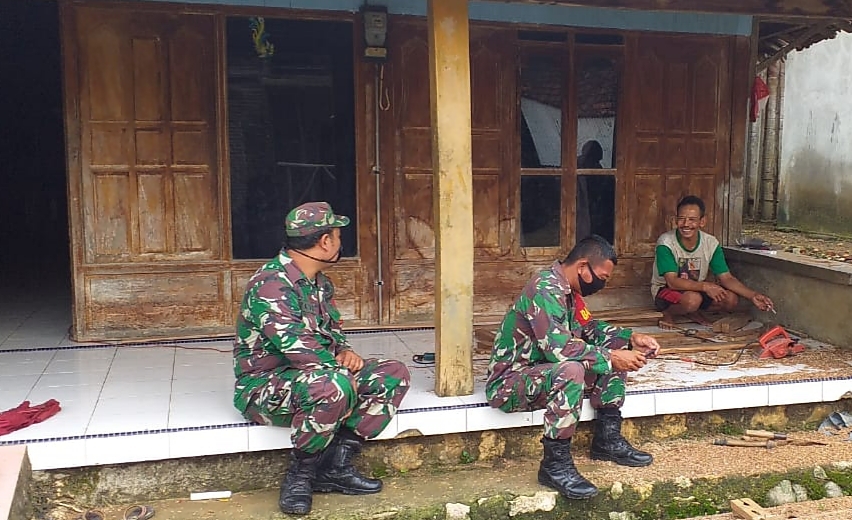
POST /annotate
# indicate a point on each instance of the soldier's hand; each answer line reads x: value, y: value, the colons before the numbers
x: 626, y: 360
x: 350, y: 360
x: 645, y: 344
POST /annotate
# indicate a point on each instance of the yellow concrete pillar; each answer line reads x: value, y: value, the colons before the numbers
x: 449, y: 77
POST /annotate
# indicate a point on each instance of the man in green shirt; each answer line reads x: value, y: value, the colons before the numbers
x: 684, y: 258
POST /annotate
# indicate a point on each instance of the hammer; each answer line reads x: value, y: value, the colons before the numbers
x: 745, y: 444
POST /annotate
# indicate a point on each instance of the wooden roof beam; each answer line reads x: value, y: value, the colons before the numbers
x: 800, y: 40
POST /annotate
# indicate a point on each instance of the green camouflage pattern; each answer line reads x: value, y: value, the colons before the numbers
x: 288, y: 335
x: 311, y: 217
x: 548, y: 350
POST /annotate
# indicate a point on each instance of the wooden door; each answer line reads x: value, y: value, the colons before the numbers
x: 407, y: 145
x: 679, y: 96
x: 147, y: 228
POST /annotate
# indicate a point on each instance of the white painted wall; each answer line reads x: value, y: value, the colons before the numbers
x: 815, y: 168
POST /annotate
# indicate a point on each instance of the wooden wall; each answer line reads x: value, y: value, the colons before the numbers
x: 148, y: 169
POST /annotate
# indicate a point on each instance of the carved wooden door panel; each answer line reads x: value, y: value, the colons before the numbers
x: 143, y: 178
x: 410, y: 269
x: 679, y: 96
x: 148, y: 136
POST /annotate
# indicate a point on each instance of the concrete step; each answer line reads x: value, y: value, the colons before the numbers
x: 15, y: 474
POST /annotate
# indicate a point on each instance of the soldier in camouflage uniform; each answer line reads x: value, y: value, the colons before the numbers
x: 295, y: 368
x: 549, y: 350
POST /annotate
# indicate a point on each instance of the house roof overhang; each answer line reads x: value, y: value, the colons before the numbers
x: 783, y: 25
x: 811, y: 9
x: 779, y: 37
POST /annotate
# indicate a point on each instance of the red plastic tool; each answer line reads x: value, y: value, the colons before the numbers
x: 776, y: 343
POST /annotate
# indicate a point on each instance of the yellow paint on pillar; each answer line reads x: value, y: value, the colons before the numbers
x: 449, y: 76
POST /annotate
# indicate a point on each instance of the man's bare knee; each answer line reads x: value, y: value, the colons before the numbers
x: 690, y: 301
x: 730, y: 302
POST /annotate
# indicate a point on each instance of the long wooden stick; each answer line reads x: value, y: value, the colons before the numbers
x: 704, y: 347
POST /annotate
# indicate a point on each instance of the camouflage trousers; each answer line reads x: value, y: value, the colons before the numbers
x: 558, y: 389
x: 318, y: 403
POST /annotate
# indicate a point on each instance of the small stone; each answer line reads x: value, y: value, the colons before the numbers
x: 617, y: 490
x: 781, y: 494
x: 682, y: 482
x: 541, y: 501
x: 842, y: 465
x: 622, y: 515
x: 800, y: 492
x: 457, y: 511
x: 644, y: 489
x: 820, y: 473
x: 832, y: 490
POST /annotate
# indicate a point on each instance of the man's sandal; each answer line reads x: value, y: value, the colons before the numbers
x: 138, y: 513
x: 92, y: 514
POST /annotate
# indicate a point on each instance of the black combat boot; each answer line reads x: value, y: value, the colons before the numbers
x: 296, y: 488
x: 336, y: 472
x: 557, y: 470
x: 608, y: 443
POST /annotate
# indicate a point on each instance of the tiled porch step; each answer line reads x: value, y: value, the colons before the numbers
x: 423, y: 414
x: 15, y: 473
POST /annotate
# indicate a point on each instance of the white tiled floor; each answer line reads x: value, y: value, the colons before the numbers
x: 158, y: 401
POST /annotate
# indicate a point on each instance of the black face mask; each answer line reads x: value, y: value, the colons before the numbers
x: 590, y: 288
x: 333, y: 260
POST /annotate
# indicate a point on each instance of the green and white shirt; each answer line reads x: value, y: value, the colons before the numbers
x: 691, y: 264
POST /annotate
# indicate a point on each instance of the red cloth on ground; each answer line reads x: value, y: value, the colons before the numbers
x: 25, y: 415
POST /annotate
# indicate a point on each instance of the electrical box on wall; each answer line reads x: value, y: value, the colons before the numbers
x: 375, y: 32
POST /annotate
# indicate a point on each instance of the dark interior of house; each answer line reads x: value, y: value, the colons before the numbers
x: 34, y: 251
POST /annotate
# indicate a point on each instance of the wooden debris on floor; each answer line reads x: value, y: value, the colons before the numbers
x: 731, y: 323
x: 728, y: 331
x: 748, y: 509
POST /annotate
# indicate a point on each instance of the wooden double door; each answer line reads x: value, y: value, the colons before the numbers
x: 673, y: 138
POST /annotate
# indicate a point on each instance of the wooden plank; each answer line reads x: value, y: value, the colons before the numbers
x: 704, y: 347
x: 748, y: 509
x: 731, y: 323
x: 449, y: 78
x: 741, y: 79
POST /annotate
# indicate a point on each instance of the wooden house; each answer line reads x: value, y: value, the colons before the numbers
x: 191, y: 129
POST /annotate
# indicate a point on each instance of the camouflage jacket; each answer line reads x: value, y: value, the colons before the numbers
x: 285, y: 321
x: 549, y: 323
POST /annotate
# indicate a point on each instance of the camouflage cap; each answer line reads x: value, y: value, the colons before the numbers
x: 311, y: 217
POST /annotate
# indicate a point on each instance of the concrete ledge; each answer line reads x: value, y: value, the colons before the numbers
x: 143, y: 482
x: 812, y: 296
x: 15, y: 474
x: 831, y: 271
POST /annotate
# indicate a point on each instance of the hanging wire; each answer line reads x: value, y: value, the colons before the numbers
x: 384, y: 98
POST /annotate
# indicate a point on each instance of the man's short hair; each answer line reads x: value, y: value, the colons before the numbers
x: 305, y: 242
x: 691, y: 200
x: 595, y: 249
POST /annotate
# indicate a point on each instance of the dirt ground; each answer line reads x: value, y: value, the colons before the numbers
x: 816, y: 246
x: 693, y: 459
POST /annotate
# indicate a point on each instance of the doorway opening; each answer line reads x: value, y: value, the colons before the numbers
x: 291, y: 127
x: 35, y: 273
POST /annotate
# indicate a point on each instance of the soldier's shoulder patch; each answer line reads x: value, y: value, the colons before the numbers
x: 581, y: 311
